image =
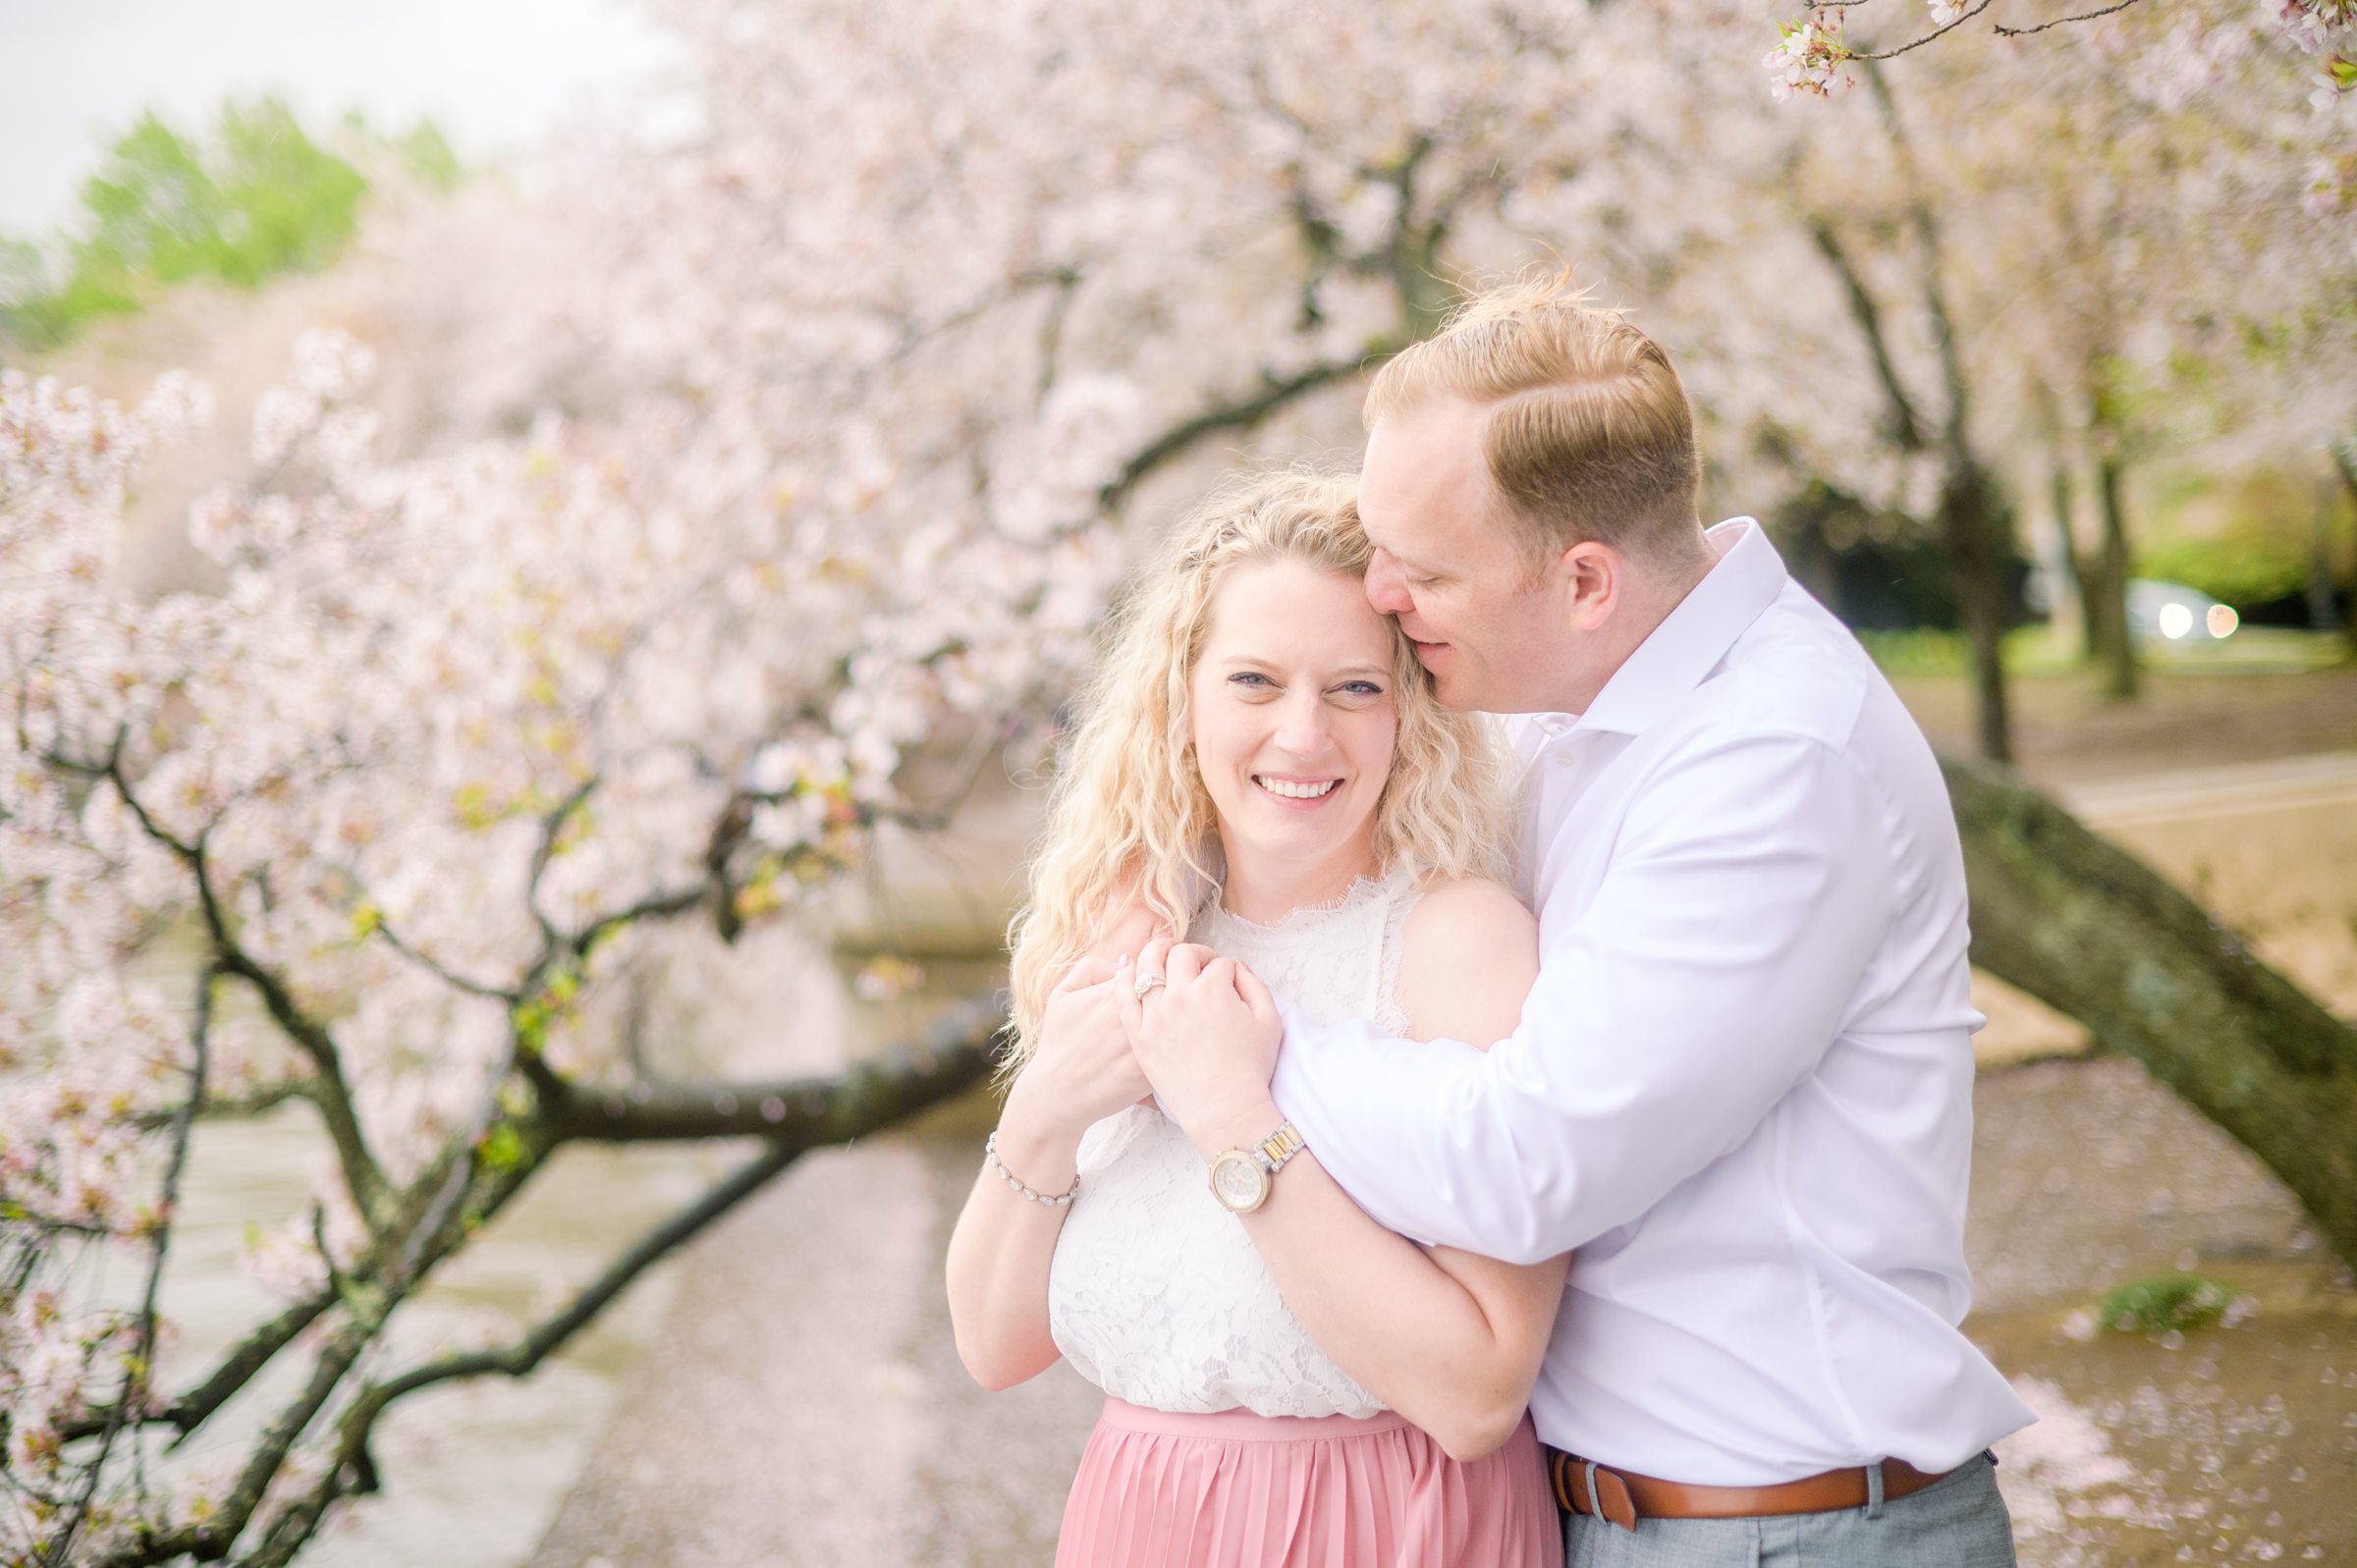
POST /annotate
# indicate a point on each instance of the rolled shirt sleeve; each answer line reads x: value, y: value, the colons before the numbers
x: 1710, y: 970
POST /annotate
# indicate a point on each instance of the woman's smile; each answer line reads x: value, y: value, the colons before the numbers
x: 1292, y: 791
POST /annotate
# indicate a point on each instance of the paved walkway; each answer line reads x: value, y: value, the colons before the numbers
x: 803, y: 1404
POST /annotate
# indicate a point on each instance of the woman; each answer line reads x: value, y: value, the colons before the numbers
x: 1263, y: 769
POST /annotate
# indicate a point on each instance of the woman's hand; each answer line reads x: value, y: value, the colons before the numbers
x: 1081, y: 1068
x: 1207, y: 1037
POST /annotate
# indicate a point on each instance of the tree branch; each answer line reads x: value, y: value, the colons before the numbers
x: 806, y: 1111
x: 237, y: 1367
x: 517, y: 1360
x: 217, y: 1534
x: 1906, y: 426
x: 1935, y: 287
x: 654, y: 905
x: 236, y: 1108
x: 1240, y: 413
x: 551, y: 825
x: 432, y: 967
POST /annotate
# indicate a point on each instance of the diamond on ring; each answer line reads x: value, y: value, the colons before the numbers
x: 1146, y: 982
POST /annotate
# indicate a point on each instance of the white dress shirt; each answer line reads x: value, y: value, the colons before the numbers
x: 1741, y: 1093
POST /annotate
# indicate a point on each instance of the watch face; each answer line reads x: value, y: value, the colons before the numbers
x: 1238, y: 1182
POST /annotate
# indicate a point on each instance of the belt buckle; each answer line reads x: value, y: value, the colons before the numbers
x: 1605, y: 1493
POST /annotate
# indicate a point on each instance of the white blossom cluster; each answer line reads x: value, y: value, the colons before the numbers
x: 1809, y: 57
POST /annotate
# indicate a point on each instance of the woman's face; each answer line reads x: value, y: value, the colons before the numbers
x: 1294, y: 716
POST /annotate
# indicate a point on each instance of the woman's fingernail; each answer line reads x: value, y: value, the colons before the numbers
x: 1123, y: 962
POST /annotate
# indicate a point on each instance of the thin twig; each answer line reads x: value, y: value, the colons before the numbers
x: 551, y: 825
x: 237, y: 1109
x: 424, y: 961
x: 2003, y: 32
x: 1892, y: 54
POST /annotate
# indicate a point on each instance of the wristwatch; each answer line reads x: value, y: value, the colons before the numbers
x: 1240, y: 1178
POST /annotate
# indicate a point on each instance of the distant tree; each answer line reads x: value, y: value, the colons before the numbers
x: 251, y: 199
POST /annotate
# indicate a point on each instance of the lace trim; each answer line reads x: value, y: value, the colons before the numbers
x: 1363, y: 889
x: 1388, y: 1011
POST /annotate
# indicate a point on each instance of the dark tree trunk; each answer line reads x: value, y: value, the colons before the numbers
x: 2096, y: 934
x: 1972, y: 528
x: 2066, y: 555
x: 2345, y: 462
x: 2116, y: 652
x: 2323, y: 614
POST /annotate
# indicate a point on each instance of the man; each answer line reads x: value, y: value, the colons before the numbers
x: 1740, y: 1092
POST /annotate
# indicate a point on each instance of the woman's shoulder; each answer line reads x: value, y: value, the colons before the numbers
x: 1468, y: 954
x: 1468, y: 908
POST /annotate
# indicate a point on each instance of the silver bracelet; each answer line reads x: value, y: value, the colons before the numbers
x: 990, y: 1159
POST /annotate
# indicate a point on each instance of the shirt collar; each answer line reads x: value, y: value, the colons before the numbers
x: 1691, y: 639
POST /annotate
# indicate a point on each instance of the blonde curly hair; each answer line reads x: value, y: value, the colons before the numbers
x: 1128, y: 818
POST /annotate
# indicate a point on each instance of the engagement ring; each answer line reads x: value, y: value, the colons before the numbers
x: 1146, y: 982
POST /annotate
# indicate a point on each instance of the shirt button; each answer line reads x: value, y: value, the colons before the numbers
x: 1565, y: 759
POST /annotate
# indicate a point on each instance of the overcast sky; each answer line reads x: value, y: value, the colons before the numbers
x: 492, y: 73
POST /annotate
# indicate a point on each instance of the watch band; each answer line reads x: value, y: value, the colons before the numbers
x: 1258, y: 1165
x: 1277, y: 1147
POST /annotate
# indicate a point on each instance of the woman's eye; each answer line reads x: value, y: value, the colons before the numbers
x: 1251, y: 680
x: 1362, y: 689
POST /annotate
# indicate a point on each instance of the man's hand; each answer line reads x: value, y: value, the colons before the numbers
x: 1207, y: 1038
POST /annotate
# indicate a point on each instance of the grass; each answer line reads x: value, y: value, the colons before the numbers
x: 2168, y: 1304
x: 2039, y: 652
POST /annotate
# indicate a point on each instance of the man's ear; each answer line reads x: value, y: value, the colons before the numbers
x: 1587, y: 576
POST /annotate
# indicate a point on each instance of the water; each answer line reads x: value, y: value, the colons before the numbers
x: 472, y: 1468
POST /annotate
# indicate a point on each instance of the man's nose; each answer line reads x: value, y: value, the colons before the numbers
x: 1387, y: 588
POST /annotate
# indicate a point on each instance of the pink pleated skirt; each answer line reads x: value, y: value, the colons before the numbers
x: 1233, y: 1490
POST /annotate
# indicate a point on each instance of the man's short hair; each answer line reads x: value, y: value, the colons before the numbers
x: 1589, y: 434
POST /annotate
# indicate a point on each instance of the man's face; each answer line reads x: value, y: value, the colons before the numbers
x: 1447, y: 564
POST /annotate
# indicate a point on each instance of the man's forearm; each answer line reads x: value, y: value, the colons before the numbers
x: 1371, y: 1106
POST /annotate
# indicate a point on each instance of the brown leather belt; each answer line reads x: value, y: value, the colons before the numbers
x: 1584, y: 1488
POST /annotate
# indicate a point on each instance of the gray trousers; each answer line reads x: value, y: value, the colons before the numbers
x: 1956, y: 1522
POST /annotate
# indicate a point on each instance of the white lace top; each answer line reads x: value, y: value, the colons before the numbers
x: 1157, y: 1295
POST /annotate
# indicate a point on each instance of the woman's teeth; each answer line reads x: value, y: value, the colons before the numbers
x: 1296, y: 791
